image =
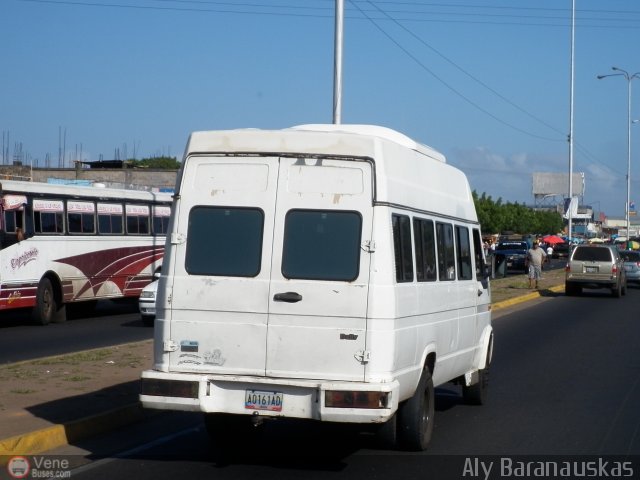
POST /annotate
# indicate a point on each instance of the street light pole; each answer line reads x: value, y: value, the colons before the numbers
x: 628, y: 77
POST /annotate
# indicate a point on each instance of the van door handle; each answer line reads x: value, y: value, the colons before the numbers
x: 289, y: 297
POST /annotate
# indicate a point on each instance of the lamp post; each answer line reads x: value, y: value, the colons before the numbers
x: 628, y: 77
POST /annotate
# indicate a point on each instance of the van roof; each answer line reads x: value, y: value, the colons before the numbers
x: 407, y: 173
x: 375, y: 131
x: 252, y: 139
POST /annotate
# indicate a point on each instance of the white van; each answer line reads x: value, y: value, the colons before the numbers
x: 325, y: 272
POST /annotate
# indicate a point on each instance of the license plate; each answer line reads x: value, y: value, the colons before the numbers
x: 259, y: 400
x: 509, y: 264
x: 591, y: 269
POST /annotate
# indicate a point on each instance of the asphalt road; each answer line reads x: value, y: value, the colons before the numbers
x: 112, y: 323
x: 565, y: 380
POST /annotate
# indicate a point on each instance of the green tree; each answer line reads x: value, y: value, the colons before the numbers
x: 160, y: 163
x: 497, y: 217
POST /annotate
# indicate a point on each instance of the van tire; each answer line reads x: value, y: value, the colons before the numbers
x: 476, y: 394
x: 416, y: 416
x: 46, y: 309
x: 386, y: 434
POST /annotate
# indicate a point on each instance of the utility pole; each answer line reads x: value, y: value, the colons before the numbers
x: 337, y: 63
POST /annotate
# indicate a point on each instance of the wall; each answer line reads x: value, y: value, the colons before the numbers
x: 112, y: 177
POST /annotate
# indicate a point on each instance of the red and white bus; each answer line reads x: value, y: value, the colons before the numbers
x: 62, y: 244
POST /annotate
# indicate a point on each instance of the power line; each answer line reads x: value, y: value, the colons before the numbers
x: 449, y: 87
x: 297, y: 10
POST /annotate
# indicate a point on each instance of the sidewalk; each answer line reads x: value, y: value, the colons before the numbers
x: 60, y: 400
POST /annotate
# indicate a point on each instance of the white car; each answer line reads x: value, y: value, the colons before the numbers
x: 147, y: 303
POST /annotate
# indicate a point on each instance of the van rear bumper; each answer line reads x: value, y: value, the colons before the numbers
x: 296, y: 398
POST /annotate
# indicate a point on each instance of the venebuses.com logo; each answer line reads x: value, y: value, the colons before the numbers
x: 38, y: 467
x: 18, y: 467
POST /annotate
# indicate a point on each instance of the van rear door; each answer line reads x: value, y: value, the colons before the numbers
x: 320, y: 273
x: 270, y: 275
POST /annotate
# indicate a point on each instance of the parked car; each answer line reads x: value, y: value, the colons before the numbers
x: 595, y: 266
x: 514, y: 253
x: 147, y: 303
x: 560, y: 250
x: 631, y: 265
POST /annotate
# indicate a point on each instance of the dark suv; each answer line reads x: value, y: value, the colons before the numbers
x: 514, y: 253
x: 595, y: 266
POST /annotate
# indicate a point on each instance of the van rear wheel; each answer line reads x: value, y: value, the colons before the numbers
x: 476, y: 394
x: 415, y: 416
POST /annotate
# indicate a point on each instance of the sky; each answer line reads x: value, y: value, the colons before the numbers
x: 486, y: 82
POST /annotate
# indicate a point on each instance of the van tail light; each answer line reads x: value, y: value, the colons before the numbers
x: 356, y: 399
x: 614, y: 269
x: 567, y: 268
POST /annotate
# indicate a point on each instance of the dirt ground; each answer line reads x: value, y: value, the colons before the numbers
x: 515, y: 285
x: 39, y: 393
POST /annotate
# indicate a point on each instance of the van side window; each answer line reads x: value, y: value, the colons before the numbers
x: 425, y: 241
x: 477, y: 250
x: 322, y: 245
x: 224, y: 241
x: 464, y: 253
x: 402, y: 248
x: 446, y: 253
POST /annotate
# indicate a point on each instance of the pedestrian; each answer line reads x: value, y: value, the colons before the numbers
x: 549, y: 253
x: 535, y: 257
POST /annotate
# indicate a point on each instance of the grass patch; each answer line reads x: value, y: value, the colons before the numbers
x: 76, y: 378
x: 77, y: 358
x: 22, y: 391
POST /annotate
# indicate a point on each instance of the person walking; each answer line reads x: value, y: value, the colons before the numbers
x: 535, y: 258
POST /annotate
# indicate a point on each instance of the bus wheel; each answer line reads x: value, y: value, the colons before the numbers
x: 46, y: 309
x: 415, y: 416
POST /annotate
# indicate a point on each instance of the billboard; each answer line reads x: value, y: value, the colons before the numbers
x: 551, y: 184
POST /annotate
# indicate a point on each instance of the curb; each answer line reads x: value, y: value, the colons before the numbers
x: 63, y: 434
x: 526, y: 298
x: 59, y: 435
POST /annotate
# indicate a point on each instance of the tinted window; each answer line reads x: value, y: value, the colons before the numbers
x: 321, y: 245
x: 592, y: 254
x: 110, y: 224
x: 446, y: 254
x: 402, y: 248
x: 464, y: 253
x: 425, y: 240
x: 110, y: 218
x: 224, y: 241
x: 48, y: 222
x: 160, y: 225
x: 630, y: 256
x: 477, y: 248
